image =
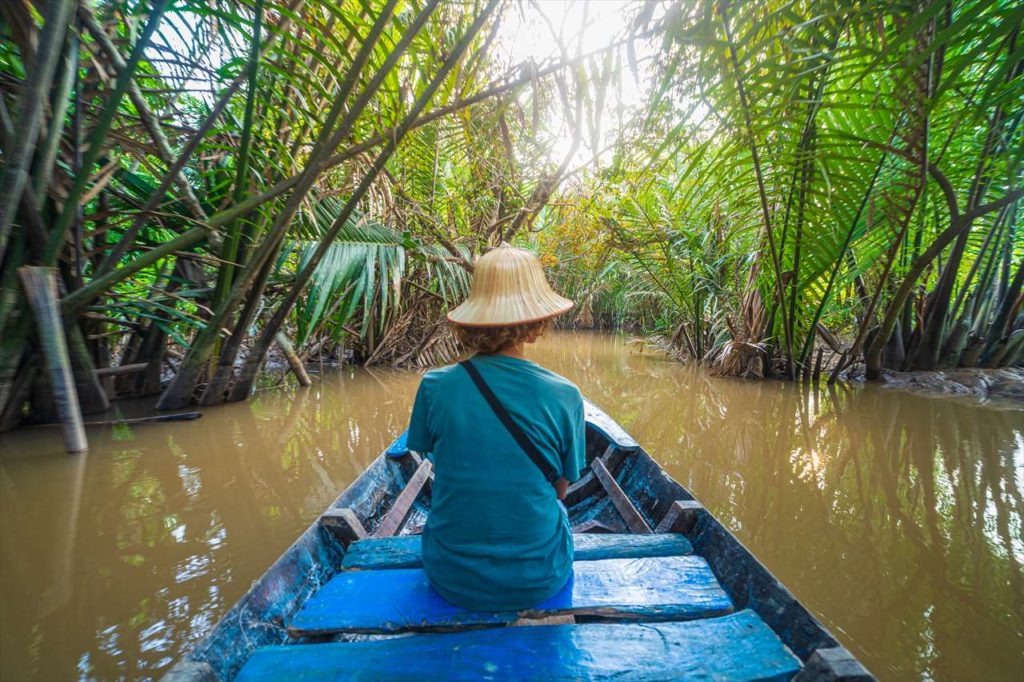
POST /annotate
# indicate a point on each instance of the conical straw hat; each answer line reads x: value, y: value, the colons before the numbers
x: 509, y: 288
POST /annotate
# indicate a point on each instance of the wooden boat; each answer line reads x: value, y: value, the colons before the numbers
x: 661, y: 590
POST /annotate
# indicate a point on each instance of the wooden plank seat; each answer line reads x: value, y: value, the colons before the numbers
x: 738, y: 647
x: 399, y: 600
x: 406, y: 551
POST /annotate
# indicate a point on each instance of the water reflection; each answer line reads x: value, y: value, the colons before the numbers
x: 896, y: 518
x: 112, y: 562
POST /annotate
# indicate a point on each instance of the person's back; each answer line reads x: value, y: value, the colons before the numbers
x: 497, y: 537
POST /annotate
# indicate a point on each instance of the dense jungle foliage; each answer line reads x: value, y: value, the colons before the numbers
x: 798, y: 187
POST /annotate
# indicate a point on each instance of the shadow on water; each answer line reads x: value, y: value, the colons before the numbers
x: 896, y: 518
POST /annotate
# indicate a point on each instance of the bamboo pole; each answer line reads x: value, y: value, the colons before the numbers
x: 40, y: 285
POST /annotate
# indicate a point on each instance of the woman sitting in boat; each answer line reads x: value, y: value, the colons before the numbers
x: 506, y: 437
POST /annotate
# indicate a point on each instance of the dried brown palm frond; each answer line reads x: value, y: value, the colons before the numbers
x: 419, y: 337
x: 742, y: 359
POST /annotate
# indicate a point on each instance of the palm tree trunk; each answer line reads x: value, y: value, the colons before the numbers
x: 926, y: 354
x: 30, y: 114
x: 958, y: 222
x: 58, y: 232
x: 780, y: 295
x: 178, y: 393
x: 255, y: 359
x: 1000, y: 328
x: 230, y: 251
x: 215, y: 391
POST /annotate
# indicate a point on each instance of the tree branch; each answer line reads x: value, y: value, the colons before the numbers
x: 1008, y: 198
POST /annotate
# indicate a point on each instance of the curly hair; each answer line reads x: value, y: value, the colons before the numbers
x: 496, y: 339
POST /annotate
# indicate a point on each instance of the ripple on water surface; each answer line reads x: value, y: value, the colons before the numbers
x: 896, y: 518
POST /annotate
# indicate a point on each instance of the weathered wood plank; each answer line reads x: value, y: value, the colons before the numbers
x: 343, y: 524
x: 398, y: 600
x: 406, y: 551
x: 833, y: 664
x: 612, y: 458
x: 680, y: 517
x: 634, y: 521
x: 392, y: 521
x: 418, y: 460
x: 573, y: 492
x: 591, y: 526
x: 40, y: 285
x: 737, y: 647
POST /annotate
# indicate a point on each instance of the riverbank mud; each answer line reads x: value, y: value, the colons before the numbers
x: 1003, y: 384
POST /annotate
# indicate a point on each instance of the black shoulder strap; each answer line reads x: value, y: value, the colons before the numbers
x: 506, y: 419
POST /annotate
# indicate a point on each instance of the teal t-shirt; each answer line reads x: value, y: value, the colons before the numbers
x: 497, y: 538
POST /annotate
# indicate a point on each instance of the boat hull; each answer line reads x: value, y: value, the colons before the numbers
x: 640, y: 497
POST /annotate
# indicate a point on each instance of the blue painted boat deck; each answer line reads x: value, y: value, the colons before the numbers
x: 406, y: 551
x: 646, y: 605
x: 402, y: 599
x: 661, y: 614
x: 737, y: 647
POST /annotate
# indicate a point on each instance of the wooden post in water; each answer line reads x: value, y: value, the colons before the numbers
x: 40, y: 286
x: 294, y: 361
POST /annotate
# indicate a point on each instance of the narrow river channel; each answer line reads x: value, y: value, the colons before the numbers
x: 895, y: 518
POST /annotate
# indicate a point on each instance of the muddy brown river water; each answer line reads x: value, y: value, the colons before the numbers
x: 896, y: 518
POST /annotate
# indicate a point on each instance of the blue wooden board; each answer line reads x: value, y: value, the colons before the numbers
x: 737, y: 647
x: 399, y: 447
x: 406, y: 551
x: 402, y: 599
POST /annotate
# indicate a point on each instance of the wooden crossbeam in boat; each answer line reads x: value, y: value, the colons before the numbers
x: 833, y: 663
x: 418, y: 459
x: 592, y: 526
x: 400, y: 509
x: 612, y: 458
x: 344, y: 524
x: 680, y: 517
x: 567, y: 619
x: 406, y: 551
x: 732, y: 647
x: 629, y: 513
